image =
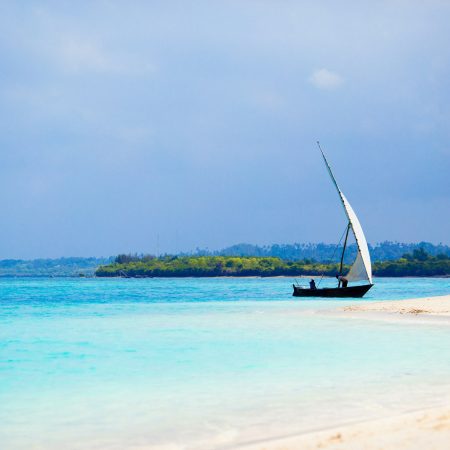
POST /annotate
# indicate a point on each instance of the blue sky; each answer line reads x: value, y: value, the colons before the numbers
x: 137, y: 126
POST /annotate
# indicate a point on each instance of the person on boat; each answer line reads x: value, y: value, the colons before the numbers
x: 312, y: 284
x: 342, y: 280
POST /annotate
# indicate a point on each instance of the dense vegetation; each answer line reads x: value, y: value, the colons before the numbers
x: 422, y: 259
x: 210, y: 266
x: 418, y: 263
x: 61, y: 267
x: 384, y: 251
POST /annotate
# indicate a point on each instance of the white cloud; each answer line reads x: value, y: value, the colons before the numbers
x: 325, y: 79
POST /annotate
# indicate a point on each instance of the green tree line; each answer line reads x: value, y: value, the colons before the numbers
x: 321, y: 252
x: 417, y: 263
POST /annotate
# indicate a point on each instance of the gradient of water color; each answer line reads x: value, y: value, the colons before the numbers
x: 202, y: 363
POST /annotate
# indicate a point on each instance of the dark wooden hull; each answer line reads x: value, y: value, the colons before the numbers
x: 349, y: 291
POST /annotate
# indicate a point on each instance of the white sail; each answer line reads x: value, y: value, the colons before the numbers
x: 361, y: 268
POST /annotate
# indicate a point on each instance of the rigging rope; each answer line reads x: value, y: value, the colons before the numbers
x: 334, y: 252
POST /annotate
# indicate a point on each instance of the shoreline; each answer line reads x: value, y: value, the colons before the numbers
x: 256, y: 276
x: 291, y: 277
x: 423, y: 428
x: 438, y: 306
x: 426, y: 428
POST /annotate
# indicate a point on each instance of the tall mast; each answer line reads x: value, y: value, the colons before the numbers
x: 332, y: 178
x: 361, y: 268
x: 343, y: 252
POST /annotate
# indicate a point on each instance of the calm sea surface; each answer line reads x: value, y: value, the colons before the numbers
x: 203, y: 363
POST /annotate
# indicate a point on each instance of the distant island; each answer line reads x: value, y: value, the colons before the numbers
x: 59, y: 267
x: 418, y: 263
x: 321, y: 252
x: 389, y: 259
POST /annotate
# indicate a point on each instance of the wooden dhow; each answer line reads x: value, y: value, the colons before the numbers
x: 360, y: 270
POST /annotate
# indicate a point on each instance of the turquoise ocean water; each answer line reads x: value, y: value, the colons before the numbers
x: 203, y: 363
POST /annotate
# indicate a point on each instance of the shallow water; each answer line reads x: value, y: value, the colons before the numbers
x: 202, y: 363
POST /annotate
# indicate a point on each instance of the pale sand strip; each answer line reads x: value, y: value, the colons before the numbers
x: 439, y: 306
x: 424, y: 430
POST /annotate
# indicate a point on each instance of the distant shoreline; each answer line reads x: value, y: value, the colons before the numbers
x: 291, y: 277
x: 388, y: 259
x: 265, y: 276
x: 419, y: 263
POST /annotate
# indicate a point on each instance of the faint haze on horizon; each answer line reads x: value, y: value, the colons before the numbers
x: 166, y: 126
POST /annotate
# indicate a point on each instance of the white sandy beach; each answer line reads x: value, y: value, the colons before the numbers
x: 426, y: 429
x: 436, y: 306
x: 429, y: 429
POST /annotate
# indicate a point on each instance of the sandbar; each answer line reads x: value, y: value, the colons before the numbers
x: 434, y: 306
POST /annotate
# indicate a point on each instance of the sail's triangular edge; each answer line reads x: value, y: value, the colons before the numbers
x: 361, y: 268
